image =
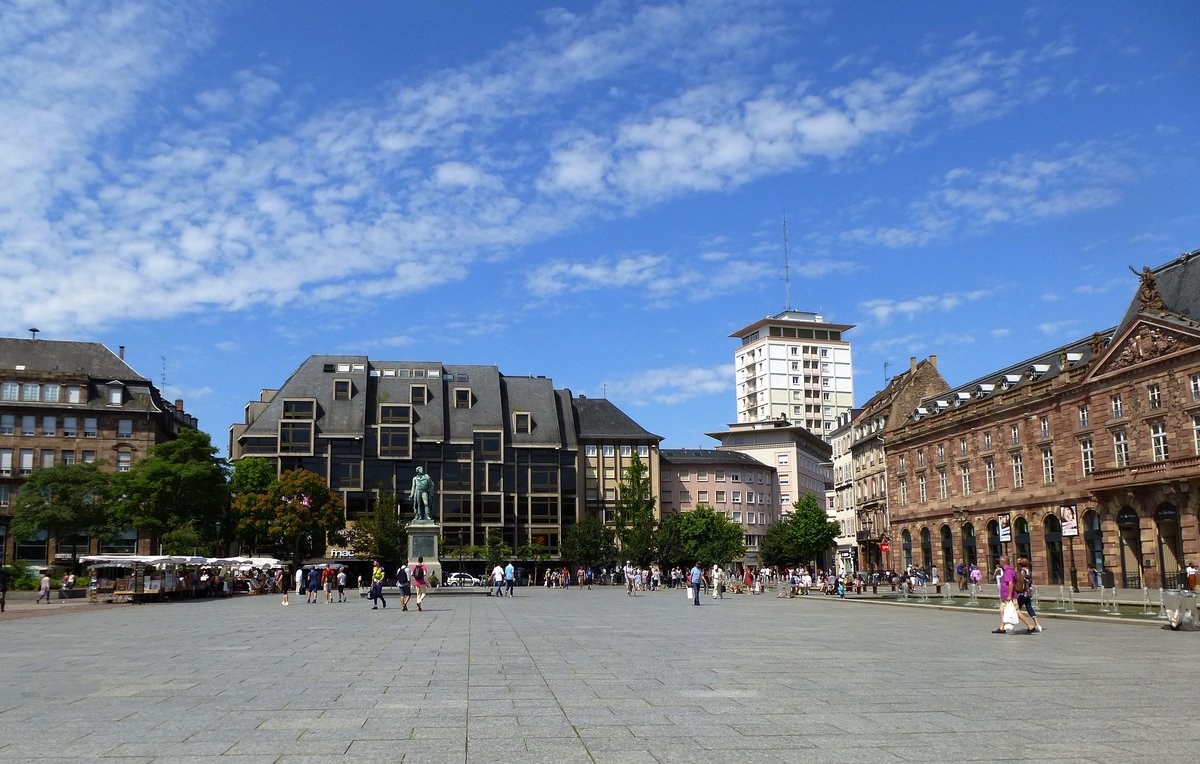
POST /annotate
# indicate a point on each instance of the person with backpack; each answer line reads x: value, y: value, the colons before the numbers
x: 377, y: 587
x: 961, y: 572
x: 404, y: 584
x: 1024, y: 589
x: 419, y: 573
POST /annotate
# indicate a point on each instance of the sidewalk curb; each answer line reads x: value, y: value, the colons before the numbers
x: 992, y: 611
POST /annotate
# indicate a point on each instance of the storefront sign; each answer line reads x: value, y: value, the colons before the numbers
x: 337, y: 553
x: 1005, y: 529
x: 1070, y: 520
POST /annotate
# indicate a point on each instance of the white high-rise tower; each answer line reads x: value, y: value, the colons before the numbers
x: 794, y: 366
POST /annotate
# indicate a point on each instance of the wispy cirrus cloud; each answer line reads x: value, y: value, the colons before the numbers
x: 1020, y: 190
x: 671, y: 385
x: 883, y: 310
x: 242, y: 195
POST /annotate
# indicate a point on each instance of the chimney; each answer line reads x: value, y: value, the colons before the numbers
x: 179, y: 405
x: 912, y: 363
x: 933, y: 360
x: 121, y: 352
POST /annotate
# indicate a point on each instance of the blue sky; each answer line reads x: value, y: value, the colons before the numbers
x: 588, y: 192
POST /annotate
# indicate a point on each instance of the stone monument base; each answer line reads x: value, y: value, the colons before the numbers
x: 423, y: 542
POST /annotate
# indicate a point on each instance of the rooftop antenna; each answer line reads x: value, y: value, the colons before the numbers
x: 885, y: 376
x: 604, y: 395
x: 33, y: 332
x: 163, y: 358
x: 787, y: 273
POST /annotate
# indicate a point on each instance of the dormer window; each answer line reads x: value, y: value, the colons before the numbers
x: 919, y: 412
x: 522, y: 422
x: 342, y: 389
x: 1009, y: 380
x: 116, y: 394
x: 1074, y: 358
x: 961, y: 398
x: 418, y: 395
x: 1037, y: 371
x: 462, y: 397
x: 983, y: 391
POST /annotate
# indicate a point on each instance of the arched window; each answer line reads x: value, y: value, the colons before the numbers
x: 926, y: 550
x: 947, y: 552
x: 1021, y: 538
x: 906, y: 547
x: 970, y: 553
x: 1054, y: 550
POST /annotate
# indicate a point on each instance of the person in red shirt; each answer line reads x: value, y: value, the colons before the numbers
x: 328, y: 577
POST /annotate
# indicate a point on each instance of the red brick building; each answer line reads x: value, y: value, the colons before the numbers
x: 1089, y: 453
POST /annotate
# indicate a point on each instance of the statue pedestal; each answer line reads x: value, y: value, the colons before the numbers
x: 423, y: 542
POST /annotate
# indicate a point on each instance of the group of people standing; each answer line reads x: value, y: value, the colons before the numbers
x: 315, y: 581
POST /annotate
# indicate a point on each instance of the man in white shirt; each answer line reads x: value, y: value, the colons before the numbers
x: 498, y: 580
x: 629, y: 574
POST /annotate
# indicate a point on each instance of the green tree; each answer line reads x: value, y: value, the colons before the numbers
x: 669, y: 543
x: 535, y: 553
x: 814, y: 531
x: 252, y: 477
x: 633, y: 517
x: 494, y: 549
x: 66, y: 501
x: 180, y: 481
x: 380, y: 535
x: 588, y: 543
x: 298, y: 514
x: 182, y: 541
x: 801, y: 539
x: 709, y: 537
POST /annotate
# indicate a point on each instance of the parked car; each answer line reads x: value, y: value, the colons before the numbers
x: 462, y: 579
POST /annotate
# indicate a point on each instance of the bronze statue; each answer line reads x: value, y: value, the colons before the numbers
x: 422, y: 490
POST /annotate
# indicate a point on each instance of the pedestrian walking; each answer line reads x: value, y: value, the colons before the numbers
x: 299, y: 580
x: 1023, y: 586
x: 419, y: 574
x: 43, y: 589
x: 510, y: 579
x: 341, y: 584
x: 697, y: 578
x: 4, y: 587
x: 283, y: 580
x: 327, y: 580
x: 404, y: 584
x: 627, y: 574
x: 498, y: 580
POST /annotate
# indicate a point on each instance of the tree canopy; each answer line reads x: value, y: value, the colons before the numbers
x: 180, y: 481
x: 66, y: 501
x: 801, y: 539
x: 379, y: 535
x: 710, y: 537
x: 297, y: 514
x: 633, y: 517
x: 588, y: 543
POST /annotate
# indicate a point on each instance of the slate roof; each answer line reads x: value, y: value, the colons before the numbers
x: 1179, y: 284
x: 90, y: 358
x: 599, y: 419
x: 708, y: 456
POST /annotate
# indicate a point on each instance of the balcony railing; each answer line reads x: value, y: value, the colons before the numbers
x: 1144, y: 471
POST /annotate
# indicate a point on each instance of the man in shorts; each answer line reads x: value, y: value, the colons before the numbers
x: 403, y: 584
x: 341, y: 584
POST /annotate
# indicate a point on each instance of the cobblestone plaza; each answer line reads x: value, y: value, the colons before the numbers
x: 585, y: 676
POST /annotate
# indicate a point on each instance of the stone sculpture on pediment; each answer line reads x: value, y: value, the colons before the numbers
x: 1147, y: 295
x: 1147, y: 343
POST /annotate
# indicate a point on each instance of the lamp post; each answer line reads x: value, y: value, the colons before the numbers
x: 960, y: 518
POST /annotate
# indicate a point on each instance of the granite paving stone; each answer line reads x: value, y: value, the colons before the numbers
x: 568, y: 676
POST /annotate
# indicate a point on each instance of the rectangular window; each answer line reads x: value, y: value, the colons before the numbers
x: 749, y: 497
x: 68, y: 457
x: 1154, y: 394
x: 591, y: 451
x: 395, y: 413
x: 295, y: 437
x: 941, y: 451
x: 1087, y: 455
x: 610, y: 451
x: 522, y: 422
x: 737, y: 517
x: 1196, y: 432
x: 1015, y: 434
x: 89, y: 457
x: 965, y: 474
x: 1118, y: 410
x: 50, y: 425
x: 8, y: 423
x: 1084, y: 419
x: 1195, y: 386
x: 626, y: 452
x: 487, y: 445
x: 644, y: 452
x: 1018, y: 470
x: 74, y: 394
x: 737, y: 498
x: 720, y: 497
x: 1048, y: 465
x: 116, y: 395
x: 702, y: 476
x: 1045, y: 426
x: 987, y: 441
x: 4, y: 499
x: 1158, y: 440
x: 125, y: 428
x: 299, y: 409
x: 922, y: 494
x: 962, y: 446
x: 50, y: 393
x: 685, y: 476
x: 903, y: 492
x: 69, y: 425
x: 341, y: 389
x: 26, y: 463
x: 28, y: 425
x: 720, y: 475
x: 943, y: 487
x: 395, y: 442
x: 6, y: 456
x: 989, y: 474
x: 10, y: 391
x: 1121, y: 448
x: 902, y: 469
x: 89, y: 427
x: 31, y: 391
x: 47, y: 458
x: 702, y: 497
x: 920, y: 459
x: 782, y: 459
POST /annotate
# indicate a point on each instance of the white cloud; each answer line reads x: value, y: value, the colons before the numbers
x: 675, y: 384
x: 884, y: 310
x: 1069, y: 326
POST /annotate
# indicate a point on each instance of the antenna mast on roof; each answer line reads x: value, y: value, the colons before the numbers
x: 163, y: 389
x: 885, y: 376
x: 787, y: 273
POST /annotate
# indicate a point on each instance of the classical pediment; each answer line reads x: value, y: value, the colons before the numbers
x: 1144, y: 341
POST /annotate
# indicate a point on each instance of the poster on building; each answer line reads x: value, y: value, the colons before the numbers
x: 1005, y: 529
x: 1070, y: 520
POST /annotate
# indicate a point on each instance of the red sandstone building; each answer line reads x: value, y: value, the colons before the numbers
x: 1088, y: 453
